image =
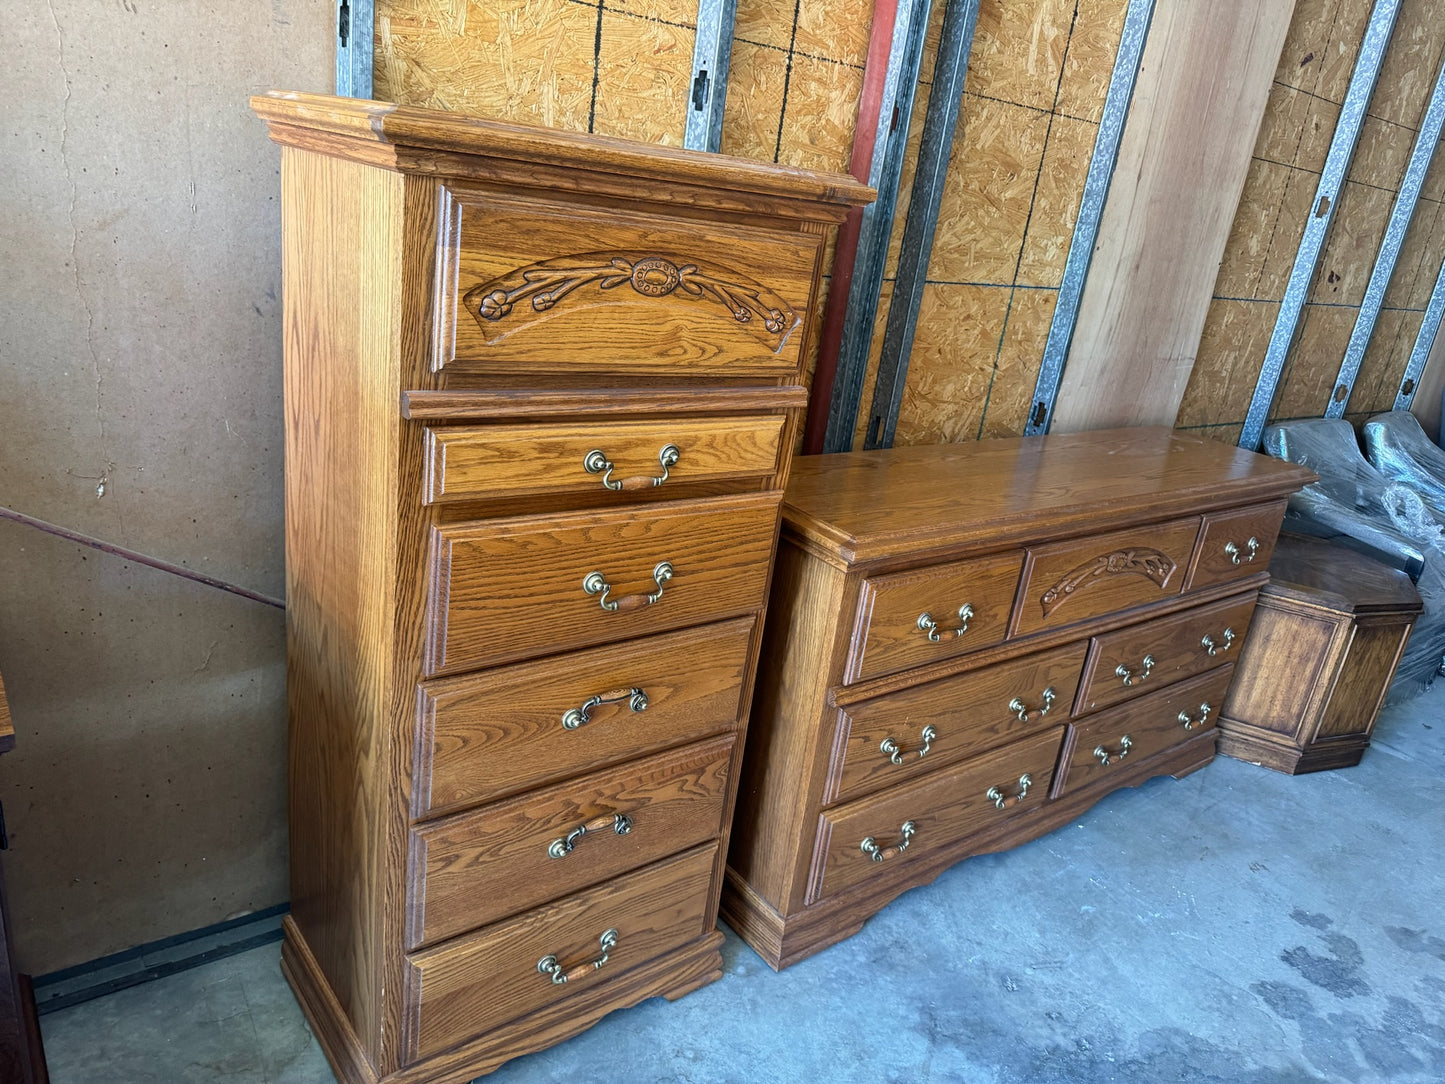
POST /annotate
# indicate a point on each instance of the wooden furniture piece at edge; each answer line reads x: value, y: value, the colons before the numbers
x: 22, y: 1055
x: 489, y: 329
x: 1329, y: 632
x: 969, y: 645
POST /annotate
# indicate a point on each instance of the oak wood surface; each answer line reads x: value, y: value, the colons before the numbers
x: 506, y: 589
x: 485, y: 736
x: 454, y: 997
x: 1216, y: 562
x: 7, y: 726
x: 1176, y: 644
x: 1318, y: 573
x: 512, y: 402
x: 969, y: 713
x: 478, y: 461
x: 888, y: 636
x: 477, y: 867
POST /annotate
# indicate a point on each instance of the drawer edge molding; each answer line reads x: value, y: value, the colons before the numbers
x: 458, y: 404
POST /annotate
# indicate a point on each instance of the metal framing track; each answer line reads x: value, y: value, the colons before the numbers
x: 940, y: 122
x: 1327, y: 197
x: 355, y: 35
x: 890, y: 142
x: 1424, y: 340
x: 1400, y: 218
x: 1091, y: 210
x: 709, y: 86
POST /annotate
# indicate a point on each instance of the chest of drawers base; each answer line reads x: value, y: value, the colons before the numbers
x: 968, y: 646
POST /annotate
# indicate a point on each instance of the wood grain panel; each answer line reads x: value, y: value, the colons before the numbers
x: 484, y: 736
x: 478, y: 867
x: 969, y: 713
x: 506, y: 589
x: 471, y: 985
x: 478, y: 461
x: 1374, y: 650
x: 1234, y: 544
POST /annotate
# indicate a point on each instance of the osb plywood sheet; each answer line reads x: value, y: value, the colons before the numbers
x: 145, y: 795
x: 1313, y: 74
x: 1182, y: 162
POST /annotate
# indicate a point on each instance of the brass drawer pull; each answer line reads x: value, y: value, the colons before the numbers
x: 905, y: 837
x: 1232, y: 551
x: 620, y: 823
x: 1105, y: 757
x: 930, y: 626
x: 1190, y: 723
x: 895, y: 754
x: 548, y: 964
x: 1003, y: 801
x: 1019, y: 708
x: 581, y: 715
x: 595, y: 583
x: 1214, y: 649
x: 596, y: 462
x: 1146, y: 667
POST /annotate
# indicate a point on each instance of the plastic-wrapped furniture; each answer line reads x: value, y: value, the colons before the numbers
x: 1399, y: 449
x: 1357, y: 506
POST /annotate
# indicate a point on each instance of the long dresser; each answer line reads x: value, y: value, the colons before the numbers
x: 541, y: 396
x: 970, y: 644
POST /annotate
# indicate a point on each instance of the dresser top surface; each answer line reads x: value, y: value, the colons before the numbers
x: 868, y: 505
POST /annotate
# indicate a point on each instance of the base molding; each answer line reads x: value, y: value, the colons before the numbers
x: 782, y: 940
x: 672, y: 976
x: 1290, y: 759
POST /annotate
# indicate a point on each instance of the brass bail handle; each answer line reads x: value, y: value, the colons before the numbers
x: 1212, y: 648
x: 596, y: 462
x: 1105, y: 757
x: 1004, y: 801
x: 620, y: 823
x: 1232, y: 551
x: 548, y: 964
x: 930, y: 626
x: 595, y: 583
x: 880, y: 854
x: 1025, y: 713
x: 581, y: 715
x: 895, y: 754
x: 1188, y: 722
x: 1130, y: 678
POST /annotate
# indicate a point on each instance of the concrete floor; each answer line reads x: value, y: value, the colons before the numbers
x: 1237, y: 926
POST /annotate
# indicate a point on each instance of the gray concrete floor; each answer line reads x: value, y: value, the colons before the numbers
x: 1237, y: 926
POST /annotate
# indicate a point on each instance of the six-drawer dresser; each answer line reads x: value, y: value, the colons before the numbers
x: 970, y: 644
x: 541, y: 397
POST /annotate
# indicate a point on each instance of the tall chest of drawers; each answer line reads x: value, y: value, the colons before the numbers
x: 970, y: 644
x: 541, y: 395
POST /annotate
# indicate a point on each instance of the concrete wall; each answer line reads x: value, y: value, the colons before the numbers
x: 140, y: 404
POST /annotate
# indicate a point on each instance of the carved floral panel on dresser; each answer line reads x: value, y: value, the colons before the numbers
x: 969, y: 645
x: 541, y: 394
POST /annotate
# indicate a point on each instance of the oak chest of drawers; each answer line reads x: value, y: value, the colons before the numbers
x: 969, y: 644
x: 541, y: 395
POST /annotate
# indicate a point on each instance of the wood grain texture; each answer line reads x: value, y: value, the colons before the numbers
x: 7, y: 726
x: 478, y: 461
x: 499, y: 403
x: 484, y: 736
x: 1203, y: 83
x: 1232, y: 543
x: 505, y: 589
x: 475, y: 868
x: 654, y: 911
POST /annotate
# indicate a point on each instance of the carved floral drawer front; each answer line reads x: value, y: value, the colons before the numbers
x: 478, y: 867
x: 1148, y: 656
x: 896, y: 737
x: 471, y: 462
x: 1116, y: 740
x: 1236, y: 544
x: 484, y: 736
x: 909, y: 618
x: 1071, y: 581
x: 472, y: 984
x: 874, y: 835
x: 527, y: 286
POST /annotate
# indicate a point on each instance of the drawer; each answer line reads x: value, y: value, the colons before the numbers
x: 1119, y: 739
x: 530, y: 286
x: 470, y: 462
x: 506, y: 589
x: 865, y: 838
x: 474, y: 868
x: 1070, y: 581
x: 910, y: 618
x: 483, y: 736
x: 1236, y: 544
x: 902, y: 735
x: 470, y: 985
x: 1145, y: 657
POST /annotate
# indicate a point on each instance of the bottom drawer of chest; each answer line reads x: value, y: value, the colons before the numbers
x: 860, y: 839
x: 473, y: 984
x: 1114, y: 741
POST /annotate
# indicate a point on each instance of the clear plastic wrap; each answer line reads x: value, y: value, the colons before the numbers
x: 1399, y: 449
x: 1386, y: 517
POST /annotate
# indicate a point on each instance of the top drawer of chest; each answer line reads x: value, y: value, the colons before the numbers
x: 534, y: 286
